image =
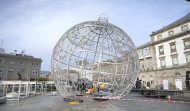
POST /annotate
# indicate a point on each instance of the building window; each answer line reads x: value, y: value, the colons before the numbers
x: 34, y: 72
x: 146, y: 51
x: 21, y: 63
x: 162, y: 63
x: 1, y: 70
x: 142, y: 65
x: 171, y: 33
x: 1, y: 60
x: 12, y: 62
x: 152, y: 82
x: 161, y: 50
x: 159, y: 37
x: 11, y: 71
x: 32, y: 79
x: 186, y: 43
x: 177, y: 74
x: 34, y: 64
x: 140, y: 53
x: 188, y: 58
x: 173, y: 47
x: 150, y: 65
x: 175, y: 61
x: 144, y: 83
x: 183, y: 28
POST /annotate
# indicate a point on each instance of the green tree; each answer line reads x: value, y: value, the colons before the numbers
x: 41, y: 79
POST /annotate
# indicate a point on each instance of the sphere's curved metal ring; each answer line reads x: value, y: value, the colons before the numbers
x: 95, y: 56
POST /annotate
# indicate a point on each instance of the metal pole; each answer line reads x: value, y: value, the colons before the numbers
x: 3, y: 89
x: 6, y: 89
x: 20, y: 86
x: 35, y: 88
x: 13, y: 88
x: 28, y: 78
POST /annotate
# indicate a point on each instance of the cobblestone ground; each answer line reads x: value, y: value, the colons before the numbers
x: 56, y: 103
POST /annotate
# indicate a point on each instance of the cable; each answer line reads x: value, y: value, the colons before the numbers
x: 160, y: 21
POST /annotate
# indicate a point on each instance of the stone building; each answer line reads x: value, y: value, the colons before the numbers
x: 19, y: 67
x: 170, y: 48
x: 147, y: 65
x: 46, y: 74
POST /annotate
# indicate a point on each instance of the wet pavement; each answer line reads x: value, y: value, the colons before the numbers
x: 56, y: 103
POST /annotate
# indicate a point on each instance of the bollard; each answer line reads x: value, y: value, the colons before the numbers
x: 169, y: 100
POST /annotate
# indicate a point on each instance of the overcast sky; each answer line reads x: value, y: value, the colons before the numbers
x: 36, y: 25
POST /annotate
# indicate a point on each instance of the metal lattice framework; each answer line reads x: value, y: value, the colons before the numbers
x: 95, y: 52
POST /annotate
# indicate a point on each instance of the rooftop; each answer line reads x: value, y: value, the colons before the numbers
x: 19, y: 56
x: 144, y: 45
x: 174, y: 24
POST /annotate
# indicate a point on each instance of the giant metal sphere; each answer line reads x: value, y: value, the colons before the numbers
x: 95, y: 57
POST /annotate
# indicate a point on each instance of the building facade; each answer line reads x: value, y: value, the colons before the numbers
x: 19, y: 67
x: 170, y: 47
x: 147, y: 65
x: 46, y: 74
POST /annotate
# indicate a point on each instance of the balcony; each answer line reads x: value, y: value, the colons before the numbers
x: 148, y: 56
x: 141, y: 57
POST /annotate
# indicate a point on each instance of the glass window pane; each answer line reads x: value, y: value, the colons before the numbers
x: 140, y: 53
x: 175, y: 60
x: 188, y: 58
x: 145, y: 52
x: 171, y: 32
x: 159, y: 36
x: 1, y: 70
x: 163, y: 63
x: 150, y: 64
x: 187, y: 43
x: 161, y: 50
x: 184, y: 28
x: 142, y: 65
x: 148, y: 51
x: 173, y: 46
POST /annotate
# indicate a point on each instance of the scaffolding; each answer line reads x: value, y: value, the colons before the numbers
x: 14, y: 90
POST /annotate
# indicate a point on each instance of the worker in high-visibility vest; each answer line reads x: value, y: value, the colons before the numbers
x: 147, y: 87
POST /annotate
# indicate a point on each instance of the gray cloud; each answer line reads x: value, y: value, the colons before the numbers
x: 37, y: 25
